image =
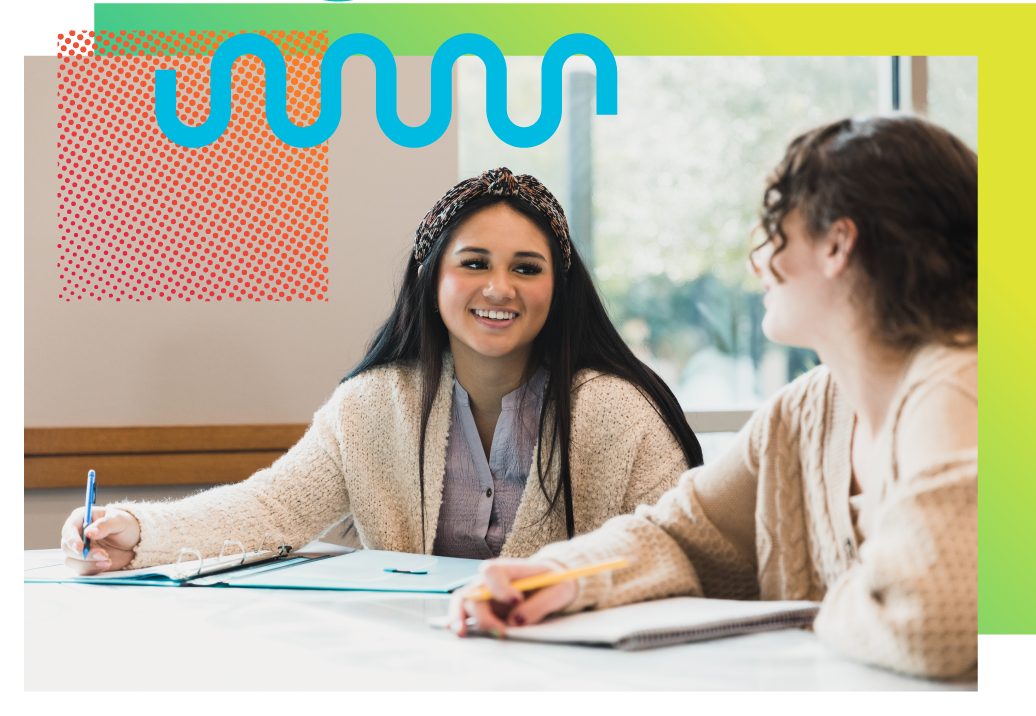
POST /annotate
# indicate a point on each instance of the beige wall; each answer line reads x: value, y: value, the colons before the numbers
x: 108, y: 364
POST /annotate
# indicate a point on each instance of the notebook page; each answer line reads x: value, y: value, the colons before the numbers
x: 60, y: 572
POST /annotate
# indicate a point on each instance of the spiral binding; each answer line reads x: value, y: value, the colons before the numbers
x: 653, y: 638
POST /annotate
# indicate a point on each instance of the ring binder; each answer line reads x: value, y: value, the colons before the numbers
x: 281, y: 568
x: 189, y: 566
x: 244, y: 553
x: 284, y: 548
x: 184, y: 551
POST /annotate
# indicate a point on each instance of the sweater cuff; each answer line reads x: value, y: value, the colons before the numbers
x: 152, y: 548
x: 589, y: 589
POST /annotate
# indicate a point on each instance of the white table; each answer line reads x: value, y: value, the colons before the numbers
x: 212, y: 639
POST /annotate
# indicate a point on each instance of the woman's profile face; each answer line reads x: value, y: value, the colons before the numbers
x: 803, y: 305
x: 496, y: 281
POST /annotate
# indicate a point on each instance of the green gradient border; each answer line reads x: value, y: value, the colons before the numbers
x: 628, y: 29
x: 998, y: 34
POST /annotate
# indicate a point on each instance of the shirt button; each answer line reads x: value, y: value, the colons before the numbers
x: 489, y: 492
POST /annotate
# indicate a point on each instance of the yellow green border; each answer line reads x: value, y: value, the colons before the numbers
x: 999, y: 35
x: 628, y: 29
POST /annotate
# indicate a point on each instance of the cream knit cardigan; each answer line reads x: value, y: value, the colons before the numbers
x: 771, y: 520
x: 360, y: 457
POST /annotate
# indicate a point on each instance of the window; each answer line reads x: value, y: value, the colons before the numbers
x: 953, y: 95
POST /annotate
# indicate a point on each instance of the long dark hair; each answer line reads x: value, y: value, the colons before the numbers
x: 577, y: 335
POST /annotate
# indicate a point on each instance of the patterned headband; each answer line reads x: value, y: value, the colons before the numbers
x: 495, y: 182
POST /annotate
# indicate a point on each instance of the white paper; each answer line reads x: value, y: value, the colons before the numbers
x: 186, y: 568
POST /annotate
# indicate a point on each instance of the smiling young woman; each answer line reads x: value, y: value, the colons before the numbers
x: 497, y: 410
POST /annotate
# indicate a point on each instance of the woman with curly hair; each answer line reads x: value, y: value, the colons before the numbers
x: 856, y: 485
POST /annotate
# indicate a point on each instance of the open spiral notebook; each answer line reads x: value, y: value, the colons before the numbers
x: 678, y: 620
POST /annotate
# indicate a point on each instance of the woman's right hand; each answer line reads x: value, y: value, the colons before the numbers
x: 113, y: 535
x: 508, y: 607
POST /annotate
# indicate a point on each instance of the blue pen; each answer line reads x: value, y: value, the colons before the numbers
x: 91, y: 488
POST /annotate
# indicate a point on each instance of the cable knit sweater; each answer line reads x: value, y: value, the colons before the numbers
x: 771, y: 519
x: 360, y: 457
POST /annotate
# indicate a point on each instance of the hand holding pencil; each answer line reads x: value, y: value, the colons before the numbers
x: 497, y: 598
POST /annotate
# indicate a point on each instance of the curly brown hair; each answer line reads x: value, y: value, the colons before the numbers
x: 911, y: 188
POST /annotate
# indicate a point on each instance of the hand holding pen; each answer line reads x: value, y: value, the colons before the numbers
x: 107, y: 541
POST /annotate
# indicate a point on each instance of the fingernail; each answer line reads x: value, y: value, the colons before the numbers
x: 100, y: 556
x: 519, y: 619
x: 515, y: 601
x: 104, y: 565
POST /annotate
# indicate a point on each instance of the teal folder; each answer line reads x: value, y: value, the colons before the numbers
x: 367, y: 570
x: 363, y: 570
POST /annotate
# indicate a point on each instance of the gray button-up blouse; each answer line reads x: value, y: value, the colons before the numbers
x: 480, y: 497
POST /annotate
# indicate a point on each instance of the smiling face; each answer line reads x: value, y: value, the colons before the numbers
x: 496, y: 281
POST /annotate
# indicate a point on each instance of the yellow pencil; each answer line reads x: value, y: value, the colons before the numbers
x: 537, y: 581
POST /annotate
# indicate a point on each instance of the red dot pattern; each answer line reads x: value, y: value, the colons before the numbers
x: 199, y: 42
x: 76, y: 43
x: 141, y: 218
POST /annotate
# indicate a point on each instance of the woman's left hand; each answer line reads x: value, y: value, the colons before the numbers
x: 508, y: 607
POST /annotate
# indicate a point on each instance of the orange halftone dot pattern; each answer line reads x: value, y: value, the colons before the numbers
x: 200, y: 42
x: 141, y: 218
x: 76, y: 43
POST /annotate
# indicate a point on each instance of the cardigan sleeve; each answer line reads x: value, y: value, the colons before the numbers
x: 658, y: 462
x: 697, y: 539
x: 299, y: 496
x: 618, y: 436
x: 911, y: 600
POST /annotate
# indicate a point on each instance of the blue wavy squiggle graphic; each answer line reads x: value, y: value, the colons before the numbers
x: 385, y: 65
